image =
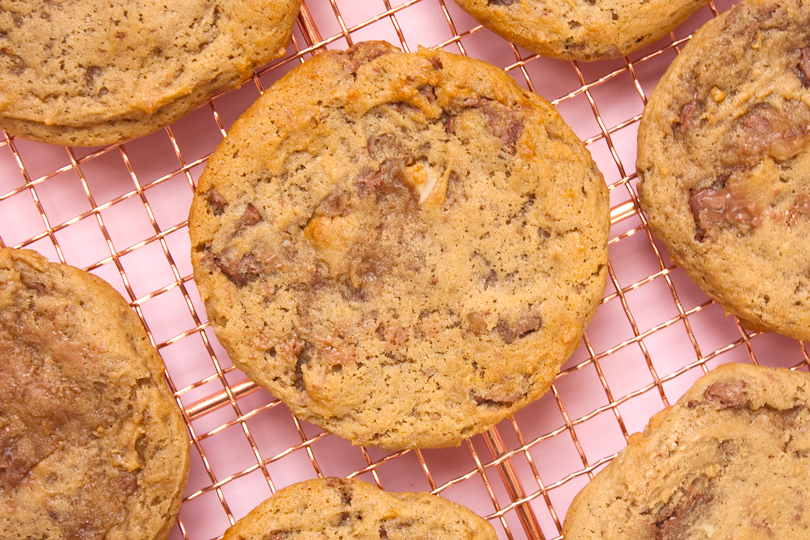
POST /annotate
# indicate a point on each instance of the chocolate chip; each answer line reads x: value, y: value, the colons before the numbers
x: 240, y: 272
x: 525, y: 324
x: 216, y: 201
x: 384, y: 146
x: 727, y: 394
x: 303, y: 358
x: 503, y: 121
x: 689, y: 116
x: 364, y: 52
x: 128, y: 483
x: 90, y: 75
x: 721, y: 204
x: 249, y: 218
x: 675, y: 520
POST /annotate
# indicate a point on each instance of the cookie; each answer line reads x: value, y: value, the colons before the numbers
x: 85, y: 73
x: 724, y: 159
x: 403, y: 247
x: 334, y: 508
x: 93, y: 445
x: 581, y: 29
x: 731, y: 459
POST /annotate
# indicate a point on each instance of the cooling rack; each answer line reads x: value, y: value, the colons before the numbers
x: 120, y: 212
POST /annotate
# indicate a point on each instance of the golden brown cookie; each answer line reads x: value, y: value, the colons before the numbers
x: 731, y: 459
x: 581, y: 29
x: 724, y: 163
x: 334, y: 508
x: 84, y: 73
x: 92, y: 443
x: 404, y: 248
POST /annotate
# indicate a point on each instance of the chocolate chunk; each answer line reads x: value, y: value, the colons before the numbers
x: 302, y: 358
x: 449, y: 124
x: 343, y: 487
x: 674, y: 521
x: 90, y: 75
x: 804, y: 67
x: 525, y: 324
x: 335, y: 204
x: 721, y: 204
x: 428, y: 92
x: 128, y: 483
x: 216, y: 200
x: 500, y: 2
x: 240, y: 272
x: 767, y: 131
x: 384, y: 146
x: 727, y: 394
x: 503, y: 121
x: 249, y: 218
x: 387, y: 183
x: 689, y: 116
x: 365, y: 52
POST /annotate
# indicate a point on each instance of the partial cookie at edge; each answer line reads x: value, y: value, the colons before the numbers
x: 724, y: 158
x: 581, y: 30
x: 349, y: 508
x: 95, y: 444
x: 111, y: 73
x: 731, y: 459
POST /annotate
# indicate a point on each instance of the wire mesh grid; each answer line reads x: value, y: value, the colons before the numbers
x: 120, y: 212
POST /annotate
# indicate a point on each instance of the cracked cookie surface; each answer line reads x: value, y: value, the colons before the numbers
x: 724, y: 163
x: 92, y: 444
x: 581, y: 29
x: 731, y: 459
x: 404, y: 248
x: 336, y: 508
x: 86, y: 73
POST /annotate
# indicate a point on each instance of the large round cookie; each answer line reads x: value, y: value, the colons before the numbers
x: 724, y: 163
x: 334, y: 508
x: 581, y: 29
x: 404, y: 248
x: 85, y: 72
x: 92, y: 444
x: 731, y: 459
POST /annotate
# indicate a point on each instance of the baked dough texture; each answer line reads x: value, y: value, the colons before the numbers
x: 334, y: 508
x: 86, y: 73
x: 724, y: 163
x: 403, y: 247
x: 92, y: 445
x: 731, y: 459
x: 581, y: 29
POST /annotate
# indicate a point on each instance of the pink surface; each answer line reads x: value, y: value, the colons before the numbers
x: 121, y: 213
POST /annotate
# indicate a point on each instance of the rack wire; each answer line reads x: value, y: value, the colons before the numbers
x: 120, y: 212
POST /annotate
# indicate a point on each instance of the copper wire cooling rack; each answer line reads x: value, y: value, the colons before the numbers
x: 120, y: 212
